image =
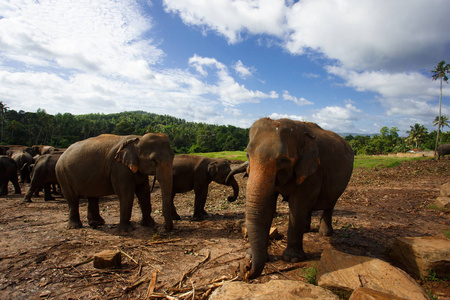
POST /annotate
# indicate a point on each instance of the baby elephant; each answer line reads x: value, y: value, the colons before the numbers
x: 192, y: 172
x: 44, y: 174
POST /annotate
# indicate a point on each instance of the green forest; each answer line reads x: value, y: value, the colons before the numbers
x: 62, y: 130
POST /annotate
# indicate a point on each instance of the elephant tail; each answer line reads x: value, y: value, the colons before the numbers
x: 153, y: 184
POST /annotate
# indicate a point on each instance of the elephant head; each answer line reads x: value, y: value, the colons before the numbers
x: 281, y: 156
x: 219, y: 171
x: 151, y: 154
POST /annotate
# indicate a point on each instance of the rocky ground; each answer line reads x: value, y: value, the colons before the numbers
x: 41, y: 258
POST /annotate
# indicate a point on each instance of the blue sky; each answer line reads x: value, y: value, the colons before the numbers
x: 350, y: 66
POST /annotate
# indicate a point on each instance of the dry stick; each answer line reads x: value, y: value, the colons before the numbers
x: 164, y: 242
x: 137, y: 283
x: 123, y: 252
x: 191, y: 271
x: 225, y: 262
x: 151, y: 286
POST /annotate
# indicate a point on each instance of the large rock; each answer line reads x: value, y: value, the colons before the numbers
x: 419, y: 255
x: 363, y: 293
x: 272, y: 290
x: 445, y: 190
x: 343, y: 273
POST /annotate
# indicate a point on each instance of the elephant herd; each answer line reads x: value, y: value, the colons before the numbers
x: 308, y: 166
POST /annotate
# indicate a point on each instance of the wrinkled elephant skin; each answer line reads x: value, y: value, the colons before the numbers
x: 305, y: 164
x: 111, y: 164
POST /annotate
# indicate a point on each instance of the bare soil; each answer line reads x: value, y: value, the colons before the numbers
x: 41, y: 258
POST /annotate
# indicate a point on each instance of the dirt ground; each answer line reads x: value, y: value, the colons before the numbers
x: 41, y: 259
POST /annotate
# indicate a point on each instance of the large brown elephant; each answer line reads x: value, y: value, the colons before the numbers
x: 192, y: 172
x: 305, y: 164
x: 443, y: 150
x: 111, y: 164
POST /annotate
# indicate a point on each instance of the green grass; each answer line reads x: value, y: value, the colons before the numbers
x: 364, y: 161
x: 231, y: 155
x: 373, y: 161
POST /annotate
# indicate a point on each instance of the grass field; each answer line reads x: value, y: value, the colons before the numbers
x: 364, y: 161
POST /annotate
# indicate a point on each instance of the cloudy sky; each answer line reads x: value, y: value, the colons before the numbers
x: 348, y: 65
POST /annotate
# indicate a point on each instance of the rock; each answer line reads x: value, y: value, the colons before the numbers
x: 107, y: 259
x: 445, y: 190
x: 363, y: 293
x: 419, y: 255
x: 272, y: 290
x: 443, y: 202
x: 343, y: 273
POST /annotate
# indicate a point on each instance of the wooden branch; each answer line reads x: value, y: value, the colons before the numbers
x: 151, y: 286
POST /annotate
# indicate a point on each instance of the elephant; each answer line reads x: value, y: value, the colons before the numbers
x: 307, y: 165
x: 8, y: 172
x: 43, y: 149
x: 443, y: 150
x: 43, y: 175
x: 192, y: 172
x: 24, y: 160
x: 112, y: 164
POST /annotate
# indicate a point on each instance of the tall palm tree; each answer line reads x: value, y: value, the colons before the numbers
x: 444, y: 121
x: 416, y: 134
x: 440, y: 72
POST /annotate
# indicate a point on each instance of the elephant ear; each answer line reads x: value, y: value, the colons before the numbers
x: 128, y: 155
x: 213, y: 169
x: 309, y: 160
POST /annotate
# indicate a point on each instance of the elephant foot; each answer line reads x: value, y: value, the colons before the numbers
x: 176, y: 216
x: 325, y: 230
x: 74, y: 225
x: 124, y: 228
x: 148, y: 222
x: 293, y: 255
x: 49, y: 199
x: 96, y: 222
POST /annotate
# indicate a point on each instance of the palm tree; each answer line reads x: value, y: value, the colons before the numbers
x: 416, y: 134
x: 444, y: 121
x: 439, y: 72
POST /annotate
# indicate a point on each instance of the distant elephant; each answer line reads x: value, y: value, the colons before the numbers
x: 443, y: 150
x: 8, y: 172
x: 24, y: 160
x: 43, y: 176
x: 43, y: 149
x: 111, y: 164
x: 307, y: 165
x: 192, y: 172
x: 14, y: 148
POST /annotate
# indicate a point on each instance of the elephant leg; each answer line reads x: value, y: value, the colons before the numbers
x: 143, y: 195
x: 33, y: 188
x: 4, y: 189
x: 16, y: 185
x: 308, y: 222
x: 326, y: 228
x: 199, y: 204
x: 175, y: 215
x: 299, y: 213
x: 47, y: 194
x: 74, y: 213
x: 125, y: 189
x: 94, y: 218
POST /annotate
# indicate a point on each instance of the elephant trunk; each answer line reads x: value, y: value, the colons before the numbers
x: 233, y: 183
x: 260, y: 208
x: 165, y: 179
x: 239, y: 169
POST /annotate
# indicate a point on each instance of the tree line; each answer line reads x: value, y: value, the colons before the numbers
x: 62, y: 130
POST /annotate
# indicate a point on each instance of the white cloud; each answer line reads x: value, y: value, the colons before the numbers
x: 232, y: 19
x: 277, y: 116
x: 337, y: 118
x: 243, y: 71
x: 229, y: 91
x: 299, y: 101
